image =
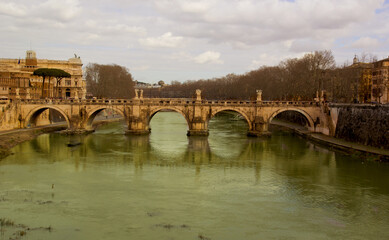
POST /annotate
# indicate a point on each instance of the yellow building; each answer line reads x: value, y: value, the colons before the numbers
x: 380, y: 81
x: 17, y: 79
x: 361, y: 86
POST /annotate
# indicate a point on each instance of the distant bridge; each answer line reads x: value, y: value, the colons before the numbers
x: 138, y: 112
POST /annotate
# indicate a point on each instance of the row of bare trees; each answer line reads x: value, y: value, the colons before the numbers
x: 292, y: 79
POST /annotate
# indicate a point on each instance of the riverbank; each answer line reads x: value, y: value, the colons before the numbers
x: 368, y: 152
x: 11, y: 138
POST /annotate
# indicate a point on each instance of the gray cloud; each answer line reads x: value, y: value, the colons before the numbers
x: 148, y: 33
x: 253, y: 22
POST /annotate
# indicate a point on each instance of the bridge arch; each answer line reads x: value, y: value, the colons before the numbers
x: 168, y: 108
x: 304, y: 113
x: 33, y: 115
x: 245, y: 116
x: 93, y: 113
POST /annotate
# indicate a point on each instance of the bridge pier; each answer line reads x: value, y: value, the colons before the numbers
x: 258, y: 134
x: 197, y: 133
x: 259, y: 128
x: 198, y: 127
x: 78, y: 131
x: 137, y: 126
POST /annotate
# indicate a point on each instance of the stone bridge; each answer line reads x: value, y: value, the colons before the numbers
x: 138, y: 112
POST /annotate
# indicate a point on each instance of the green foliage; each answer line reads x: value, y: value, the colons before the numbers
x: 51, y: 72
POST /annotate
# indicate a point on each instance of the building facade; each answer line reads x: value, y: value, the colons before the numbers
x: 362, y: 85
x: 17, y: 79
x: 380, y: 81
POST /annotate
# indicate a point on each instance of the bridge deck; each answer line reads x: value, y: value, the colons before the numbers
x: 168, y: 101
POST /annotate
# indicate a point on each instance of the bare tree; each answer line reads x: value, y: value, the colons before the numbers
x: 109, y: 81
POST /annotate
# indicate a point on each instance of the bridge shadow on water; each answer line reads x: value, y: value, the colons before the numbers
x: 300, y: 164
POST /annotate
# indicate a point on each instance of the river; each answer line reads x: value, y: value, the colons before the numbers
x: 169, y: 186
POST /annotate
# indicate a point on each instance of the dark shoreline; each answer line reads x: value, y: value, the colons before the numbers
x: 365, y: 152
x: 11, y: 139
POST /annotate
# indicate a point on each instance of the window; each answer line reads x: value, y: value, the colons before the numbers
x: 67, y: 93
x: 68, y: 82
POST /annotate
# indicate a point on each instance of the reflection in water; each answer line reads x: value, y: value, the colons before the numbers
x: 120, y: 186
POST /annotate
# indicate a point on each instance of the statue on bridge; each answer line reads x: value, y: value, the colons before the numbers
x: 138, y: 93
x: 198, y: 95
x: 259, y: 95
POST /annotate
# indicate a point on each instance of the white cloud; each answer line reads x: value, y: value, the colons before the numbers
x: 63, y: 10
x: 184, y: 6
x: 182, y: 56
x: 140, y: 68
x: 309, y: 45
x: 86, y: 38
x: 55, y: 10
x: 208, y: 57
x: 114, y: 28
x: 125, y: 28
x: 264, y: 60
x: 167, y: 40
x: 12, y: 9
x: 366, y: 43
x: 252, y: 22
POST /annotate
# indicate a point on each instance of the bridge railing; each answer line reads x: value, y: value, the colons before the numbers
x: 168, y: 101
x: 358, y: 105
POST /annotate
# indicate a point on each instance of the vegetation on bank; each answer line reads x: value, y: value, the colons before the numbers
x: 17, y: 231
x: 292, y: 79
x: 108, y: 81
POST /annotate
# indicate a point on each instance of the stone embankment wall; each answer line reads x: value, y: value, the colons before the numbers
x: 365, y: 124
x: 7, y: 115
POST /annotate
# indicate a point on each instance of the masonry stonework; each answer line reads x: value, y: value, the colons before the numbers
x: 138, y: 112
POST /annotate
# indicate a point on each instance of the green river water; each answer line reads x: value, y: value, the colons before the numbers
x: 169, y: 186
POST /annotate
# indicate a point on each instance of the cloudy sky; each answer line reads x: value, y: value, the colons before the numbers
x: 192, y: 39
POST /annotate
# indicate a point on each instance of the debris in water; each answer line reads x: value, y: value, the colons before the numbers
x: 184, y: 226
x: 167, y: 226
x: 45, y: 202
x: 73, y: 144
x: 202, y: 237
x: 151, y: 214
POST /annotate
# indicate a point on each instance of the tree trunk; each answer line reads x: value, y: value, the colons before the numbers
x: 43, y: 88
